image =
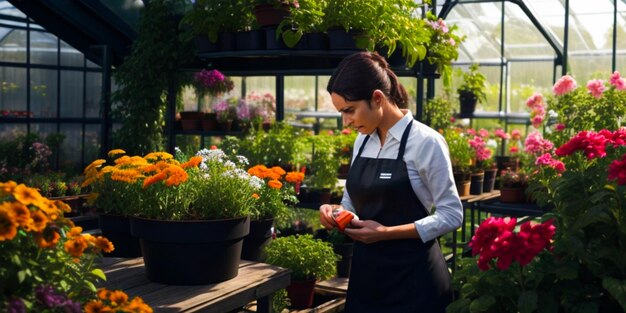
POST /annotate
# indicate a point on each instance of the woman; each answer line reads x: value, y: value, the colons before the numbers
x: 400, y: 170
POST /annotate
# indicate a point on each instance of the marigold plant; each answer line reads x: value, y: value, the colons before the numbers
x: 278, y: 191
x: 47, y: 262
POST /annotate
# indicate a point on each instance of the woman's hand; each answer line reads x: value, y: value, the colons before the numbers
x: 367, y: 231
x: 326, y: 215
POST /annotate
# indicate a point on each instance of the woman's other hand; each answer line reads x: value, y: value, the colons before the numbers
x: 367, y: 231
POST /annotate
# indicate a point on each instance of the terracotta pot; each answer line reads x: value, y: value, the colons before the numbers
x: 512, y: 195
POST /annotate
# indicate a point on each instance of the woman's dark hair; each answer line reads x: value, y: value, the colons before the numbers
x: 358, y: 75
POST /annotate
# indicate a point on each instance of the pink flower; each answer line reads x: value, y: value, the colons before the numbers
x: 501, y: 134
x: 559, y: 127
x: 564, y: 85
x: 536, y: 144
x: 536, y: 121
x: 483, y: 133
x: 516, y: 134
x: 547, y: 160
x: 596, y: 87
x: 535, y: 100
x: 618, y: 81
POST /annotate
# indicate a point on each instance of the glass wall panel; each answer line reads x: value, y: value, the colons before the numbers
x: 410, y: 84
x: 71, y: 94
x: 93, y: 90
x: 70, y: 56
x: 300, y: 94
x: 13, y: 89
x: 43, y: 92
x: 527, y: 78
x: 92, y: 65
x: 585, y: 67
x: 522, y: 39
x: 6, y: 8
x: 43, y: 48
x: 69, y: 158
x: 92, y: 142
x: 12, y: 45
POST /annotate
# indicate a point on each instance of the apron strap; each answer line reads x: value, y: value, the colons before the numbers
x: 362, y: 146
x: 405, y: 137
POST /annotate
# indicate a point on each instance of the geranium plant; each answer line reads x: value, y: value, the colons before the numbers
x: 278, y: 192
x: 212, y: 82
x: 223, y: 111
x: 509, y: 274
x: 47, y: 263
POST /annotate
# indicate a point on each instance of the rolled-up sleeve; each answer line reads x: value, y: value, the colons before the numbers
x: 435, y: 171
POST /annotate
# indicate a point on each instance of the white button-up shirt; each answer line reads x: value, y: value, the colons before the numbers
x: 430, y: 172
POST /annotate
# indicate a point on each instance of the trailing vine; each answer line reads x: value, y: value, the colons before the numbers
x: 157, y: 56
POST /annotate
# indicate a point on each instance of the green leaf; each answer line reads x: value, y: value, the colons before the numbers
x: 459, y: 306
x: 91, y: 286
x: 291, y: 38
x: 527, y: 302
x: 21, y: 276
x: 15, y: 259
x: 482, y: 304
x: 99, y: 273
x: 617, y: 289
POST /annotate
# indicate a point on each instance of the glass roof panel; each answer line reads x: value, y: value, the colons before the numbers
x: 522, y: 39
x: 479, y: 44
x: 7, y: 8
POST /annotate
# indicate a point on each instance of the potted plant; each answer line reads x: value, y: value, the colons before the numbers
x: 273, y: 201
x: 114, y: 186
x: 471, y: 90
x: 48, y: 264
x: 512, y: 186
x: 322, y: 167
x: 343, y: 247
x: 345, y: 142
x: 308, y: 259
x: 195, y: 216
x: 461, y: 155
x: 223, y: 115
x: 305, y: 18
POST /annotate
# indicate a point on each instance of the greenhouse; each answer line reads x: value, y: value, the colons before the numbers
x: 240, y: 156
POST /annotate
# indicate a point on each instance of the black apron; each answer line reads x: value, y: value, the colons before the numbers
x: 397, y: 276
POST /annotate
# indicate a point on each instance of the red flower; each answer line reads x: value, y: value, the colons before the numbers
x: 591, y: 143
x: 617, y: 171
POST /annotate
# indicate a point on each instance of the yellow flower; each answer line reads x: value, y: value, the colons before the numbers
x: 8, y: 226
x: 7, y: 188
x: 26, y: 195
x: 115, y: 152
x: 157, y: 156
x: 40, y: 220
x: 20, y: 212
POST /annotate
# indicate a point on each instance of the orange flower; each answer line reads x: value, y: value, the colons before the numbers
x: 276, y: 184
x: 8, y: 226
x: 20, y: 212
x: 115, y: 152
x: 278, y: 170
x: 40, y: 220
x: 7, y: 188
x: 103, y: 244
x: 118, y: 297
x: 26, y: 195
x: 47, y: 238
x: 255, y: 195
x: 76, y: 246
x: 294, y: 177
x: 138, y: 306
x: 154, y: 179
x: 96, y: 306
x: 74, y: 232
x: 103, y: 293
x: 193, y: 162
x: 62, y: 206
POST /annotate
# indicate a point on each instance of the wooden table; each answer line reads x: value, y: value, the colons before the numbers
x: 255, y: 281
